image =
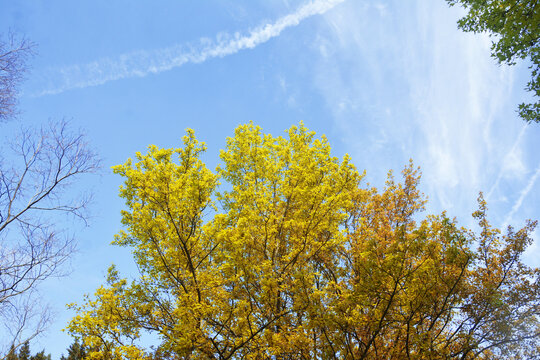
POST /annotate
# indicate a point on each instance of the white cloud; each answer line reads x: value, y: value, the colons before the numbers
x: 447, y: 97
x: 512, y: 165
x: 531, y: 254
x: 142, y: 63
x: 523, y: 194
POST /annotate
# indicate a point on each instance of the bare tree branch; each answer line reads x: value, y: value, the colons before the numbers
x: 33, y: 190
x: 14, y: 52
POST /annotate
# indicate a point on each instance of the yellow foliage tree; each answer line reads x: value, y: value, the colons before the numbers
x: 294, y: 259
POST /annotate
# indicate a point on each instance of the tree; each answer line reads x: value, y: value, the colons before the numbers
x: 76, y: 351
x: 41, y: 356
x: 515, y: 25
x: 294, y: 259
x: 24, y: 351
x: 13, y: 55
x: 11, y: 355
x: 35, y: 177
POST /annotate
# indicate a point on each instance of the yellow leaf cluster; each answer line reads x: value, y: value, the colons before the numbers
x: 293, y: 258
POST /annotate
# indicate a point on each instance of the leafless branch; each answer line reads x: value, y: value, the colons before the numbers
x: 14, y: 53
x: 34, y: 191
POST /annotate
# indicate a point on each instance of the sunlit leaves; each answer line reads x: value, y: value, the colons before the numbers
x: 295, y: 258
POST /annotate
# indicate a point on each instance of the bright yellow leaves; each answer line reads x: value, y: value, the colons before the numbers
x: 294, y: 259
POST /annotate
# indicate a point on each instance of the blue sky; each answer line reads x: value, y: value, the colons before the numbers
x: 385, y: 80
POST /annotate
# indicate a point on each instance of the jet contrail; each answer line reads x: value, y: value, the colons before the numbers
x: 501, y: 171
x: 142, y: 63
x: 522, y: 196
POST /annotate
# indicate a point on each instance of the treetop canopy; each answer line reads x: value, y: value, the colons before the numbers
x: 297, y: 259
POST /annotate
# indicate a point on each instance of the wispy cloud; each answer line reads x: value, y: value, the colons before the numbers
x: 142, y: 63
x: 505, y: 168
x: 523, y: 194
x: 405, y: 82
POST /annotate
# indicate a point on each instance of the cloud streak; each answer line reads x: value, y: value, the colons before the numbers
x: 143, y: 63
x: 526, y: 190
x: 503, y: 170
x: 441, y: 108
